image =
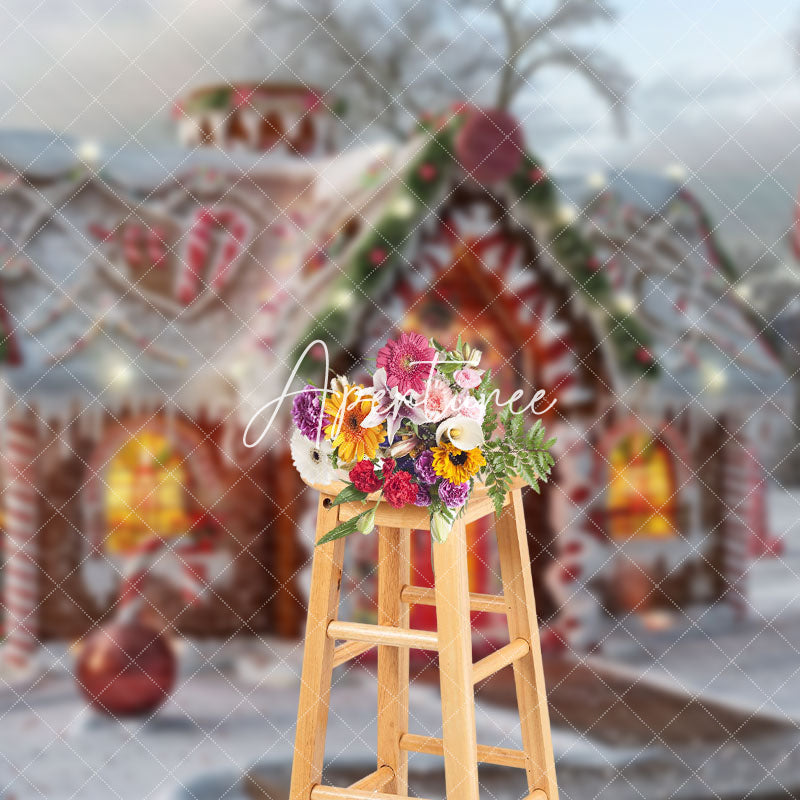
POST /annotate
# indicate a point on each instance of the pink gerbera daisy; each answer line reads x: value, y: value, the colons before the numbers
x: 405, y: 362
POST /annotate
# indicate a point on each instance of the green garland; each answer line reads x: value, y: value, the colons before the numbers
x: 381, y: 250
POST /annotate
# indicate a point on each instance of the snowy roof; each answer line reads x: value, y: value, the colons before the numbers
x: 42, y: 156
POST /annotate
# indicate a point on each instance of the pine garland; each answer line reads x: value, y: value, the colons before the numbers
x: 380, y: 253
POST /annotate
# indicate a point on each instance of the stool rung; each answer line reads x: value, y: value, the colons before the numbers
x: 383, y: 635
x: 348, y: 651
x: 502, y: 657
x: 501, y: 756
x: 423, y: 596
x: 375, y: 781
x: 320, y: 792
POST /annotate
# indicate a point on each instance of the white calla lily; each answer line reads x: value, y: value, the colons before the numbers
x: 463, y: 432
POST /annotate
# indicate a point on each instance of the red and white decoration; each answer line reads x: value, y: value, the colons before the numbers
x: 203, y: 262
x: 20, y: 571
x: 143, y: 246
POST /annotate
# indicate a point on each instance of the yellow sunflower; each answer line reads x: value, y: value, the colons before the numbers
x: 345, y: 431
x: 456, y: 466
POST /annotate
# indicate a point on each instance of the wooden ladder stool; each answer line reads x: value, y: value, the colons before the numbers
x: 452, y: 640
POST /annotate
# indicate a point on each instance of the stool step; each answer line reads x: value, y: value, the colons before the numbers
x: 383, y: 635
x: 348, y: 651
x: 423, y: 596
x: 537, y: 794
x: 501, y: 756
x: 501, y: 657
x: 320, y: 792
x: 375, y: 781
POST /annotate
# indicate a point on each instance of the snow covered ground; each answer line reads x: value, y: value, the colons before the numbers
x: 755, y: 663
x: 235, y: 707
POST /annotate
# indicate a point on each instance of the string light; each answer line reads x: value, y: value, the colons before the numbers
x: 596, y: 180
x: 403, y: 207
x: 122, y: 374
x: 89, y: 152
x: 626, y: 302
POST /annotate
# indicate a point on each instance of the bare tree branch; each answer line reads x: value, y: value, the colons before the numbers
x: 392, y: 61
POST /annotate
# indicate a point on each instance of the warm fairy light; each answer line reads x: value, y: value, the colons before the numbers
x: 89, y: 151
x: 626, y: 302
x: 122, y: 374
x: 715, y: 377
x: 567, y: 214
x: 596, y: 180
x: 676, y: 171
x: 343, y: 298
x: 403, y: 207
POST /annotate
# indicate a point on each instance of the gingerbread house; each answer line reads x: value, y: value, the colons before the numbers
x: 620, y: 303
x: 128, y: 278
x: 155, y: 301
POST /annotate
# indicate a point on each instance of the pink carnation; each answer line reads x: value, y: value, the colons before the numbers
x: 468, y: 406
x: 436, y: 402
x: 468, y: 378
x: 408, y: 362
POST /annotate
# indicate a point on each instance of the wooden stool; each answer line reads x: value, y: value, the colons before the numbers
x: 453, y: 641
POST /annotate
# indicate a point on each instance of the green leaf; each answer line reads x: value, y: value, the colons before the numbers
x: 348, y: 495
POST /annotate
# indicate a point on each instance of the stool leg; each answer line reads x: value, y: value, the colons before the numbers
x: 515, y: 567
x: 455, y: 665
x: 394, y: 572
x: 315, y: 684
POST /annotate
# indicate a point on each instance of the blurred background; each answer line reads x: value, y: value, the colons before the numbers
x: 601, y: 197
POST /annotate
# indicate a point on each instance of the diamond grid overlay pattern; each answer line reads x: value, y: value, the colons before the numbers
x: 22, y: 778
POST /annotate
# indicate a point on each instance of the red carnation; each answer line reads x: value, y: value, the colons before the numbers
x: 388, y: 467
x: 364, y: 478
x: 643, y: 355
x: 399, y: 490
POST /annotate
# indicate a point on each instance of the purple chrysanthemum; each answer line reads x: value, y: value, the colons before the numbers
x: 423, y: 466
x: 453, y: 495
x: 423, y: 496
x: 306, y: 412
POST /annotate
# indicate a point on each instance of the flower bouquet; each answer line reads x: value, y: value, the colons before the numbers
x: 423, y: 434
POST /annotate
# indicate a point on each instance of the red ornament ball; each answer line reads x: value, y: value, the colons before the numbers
x: 643, y: 355
x: 377, y: 256
x: 427, y: 171
x: 536, y: 174
x: 490, y: 145
x: 126, y: 669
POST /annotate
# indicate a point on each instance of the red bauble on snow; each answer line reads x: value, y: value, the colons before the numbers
x: 490, y: 145
x: 126, y: 669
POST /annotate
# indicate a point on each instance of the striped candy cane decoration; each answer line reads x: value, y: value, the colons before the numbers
x: 21, y: 572
x: 238, y: 230
x: 198, y: 248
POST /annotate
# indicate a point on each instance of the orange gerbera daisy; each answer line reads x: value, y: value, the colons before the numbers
x: 347, y: 410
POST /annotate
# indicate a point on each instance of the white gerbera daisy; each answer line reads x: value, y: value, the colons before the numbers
x: 312, y: 462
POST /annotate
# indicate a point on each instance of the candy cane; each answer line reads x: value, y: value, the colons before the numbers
x: 156, y: 246
x: 132, y: 245
x: 21, y: 572
x: 238, y: 230
x: 199, y: 245
x: 191, y: 578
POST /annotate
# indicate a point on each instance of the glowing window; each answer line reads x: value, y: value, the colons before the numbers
x: 641, y: 495
x: 146, y: 494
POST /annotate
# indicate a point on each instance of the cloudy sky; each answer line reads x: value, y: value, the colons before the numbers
x: 717, y: 87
